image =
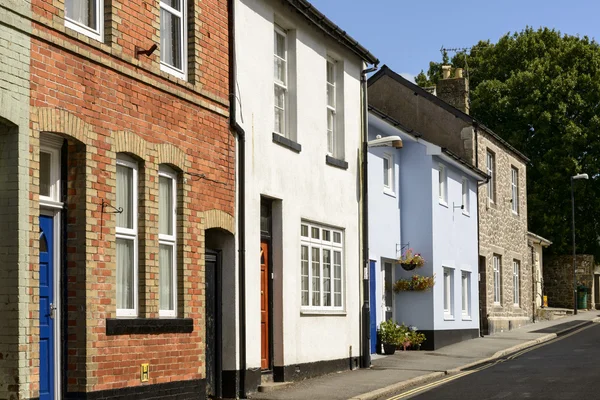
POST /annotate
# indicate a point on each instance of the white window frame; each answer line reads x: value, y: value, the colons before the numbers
x: 179, y: 73
x: 516, y: 283
x: 280, y: 84
x: 514, y: 185
x: 448, y: 293
x: 466, y: 201
x: 389, y: 172
x: 96, y: 34
x: 170, y: 240
x: 491, y: 170
x: 131, y: 234
x: 466, y: 294
x: 497, y: 271
x: 331, y: 109
x: 51, y: 144
x: 322, y: 243
x: 443, y: 184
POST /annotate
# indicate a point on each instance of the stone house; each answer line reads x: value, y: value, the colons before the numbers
x: 537, y: 244
x: 504, y: 260
x: 424, y: 198
x: 117, y: 173
x: 298, y: 102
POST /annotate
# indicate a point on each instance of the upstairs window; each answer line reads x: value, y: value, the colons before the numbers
x: 127, y: 237
x: 442, y: 187
x: 167, y: 242
x: 173, y: 37
x: 281, y: 82
x: 465, y: 196
x: 331, y: 108
x: 514, y: 184
x: 85, y: 16
x: 491, y: 171
x: 388, y: 173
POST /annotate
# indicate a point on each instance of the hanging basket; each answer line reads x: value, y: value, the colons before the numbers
x: 411, y: 260
x: 416, y: 283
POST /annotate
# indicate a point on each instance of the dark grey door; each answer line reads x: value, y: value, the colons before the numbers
x: 213, y: 323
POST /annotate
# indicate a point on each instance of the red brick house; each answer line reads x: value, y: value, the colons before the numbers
x: 117, y: 176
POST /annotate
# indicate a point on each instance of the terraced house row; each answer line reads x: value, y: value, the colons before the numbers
x: 184, y: 201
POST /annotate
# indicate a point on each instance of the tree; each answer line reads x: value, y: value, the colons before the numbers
x: 540, y: 91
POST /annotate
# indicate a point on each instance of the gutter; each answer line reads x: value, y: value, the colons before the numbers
x: 241, y: 173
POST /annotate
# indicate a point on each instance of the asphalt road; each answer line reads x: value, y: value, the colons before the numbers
x: 563, y: 369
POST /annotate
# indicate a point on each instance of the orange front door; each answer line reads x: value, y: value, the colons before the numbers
x: 264, y: 305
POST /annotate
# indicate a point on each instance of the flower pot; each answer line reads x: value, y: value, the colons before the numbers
x: 389, y: 348
x: 408, y: 267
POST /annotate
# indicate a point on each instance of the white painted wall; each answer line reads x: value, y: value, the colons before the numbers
x: 303, y: 186
x: 455, y: 245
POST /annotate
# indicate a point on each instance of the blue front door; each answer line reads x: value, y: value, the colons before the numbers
x: 46, y: 307
x: 373, y: 306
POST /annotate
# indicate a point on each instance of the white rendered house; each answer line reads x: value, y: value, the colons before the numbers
x: 423, y: 197
x: 298, y: 102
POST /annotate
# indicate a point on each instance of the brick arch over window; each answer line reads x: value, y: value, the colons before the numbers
x: 219, y: 219
x: 169, y: 154
x: 63, y: 122
x: 129, y: 142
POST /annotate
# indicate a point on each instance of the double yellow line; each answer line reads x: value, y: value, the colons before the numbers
x: 491, y: 364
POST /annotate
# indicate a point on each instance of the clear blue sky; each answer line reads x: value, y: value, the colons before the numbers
x: 407, y: 34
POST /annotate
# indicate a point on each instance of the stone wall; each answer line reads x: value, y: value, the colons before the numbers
x: 503, y: 233
x: 558, y: 279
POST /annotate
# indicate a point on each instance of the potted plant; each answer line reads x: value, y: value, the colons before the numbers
x: 416, y: 338
x: 411, y: 260
x: 391, y: 335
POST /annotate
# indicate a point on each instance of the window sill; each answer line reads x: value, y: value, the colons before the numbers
x: 448, y: 318
x: 333, y: 313
x: 443, y: 203
x: 334, y: 162
x: 389, y: 192
x: 142, y: 326
x: 287, y: 143
x: 467, y: 318
x: 466, y: 214
x: 84, y: 30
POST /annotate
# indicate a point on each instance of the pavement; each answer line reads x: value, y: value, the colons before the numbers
x: 406, y: 369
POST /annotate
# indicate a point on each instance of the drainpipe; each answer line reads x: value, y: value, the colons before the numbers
x: 241, y: 173
x: 365, y: 314
x: 534, y: 282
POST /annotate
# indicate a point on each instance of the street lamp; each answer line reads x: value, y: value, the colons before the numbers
x: 573, y: 178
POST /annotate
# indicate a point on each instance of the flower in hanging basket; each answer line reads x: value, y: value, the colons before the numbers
x: 409, y: 260
x: 415, y: 283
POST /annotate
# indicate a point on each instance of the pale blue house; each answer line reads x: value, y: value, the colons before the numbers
x: 423, y: 197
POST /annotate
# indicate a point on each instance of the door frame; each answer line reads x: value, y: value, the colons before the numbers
x: 55, y: 213
x: 267, y: 237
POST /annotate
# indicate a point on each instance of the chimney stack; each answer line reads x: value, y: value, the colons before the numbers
x: 454, y: 91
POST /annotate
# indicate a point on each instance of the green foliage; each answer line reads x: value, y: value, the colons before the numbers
x: 416, y: 338
x: 540, y: 90
x: 415, y: 283
x: 392, y: 333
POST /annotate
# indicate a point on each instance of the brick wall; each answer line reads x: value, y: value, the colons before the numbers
x: 104, y: 100
x: 15, y: 365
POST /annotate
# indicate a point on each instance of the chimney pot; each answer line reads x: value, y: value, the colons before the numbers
x: 445, y: 71
x: 458, y: 73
